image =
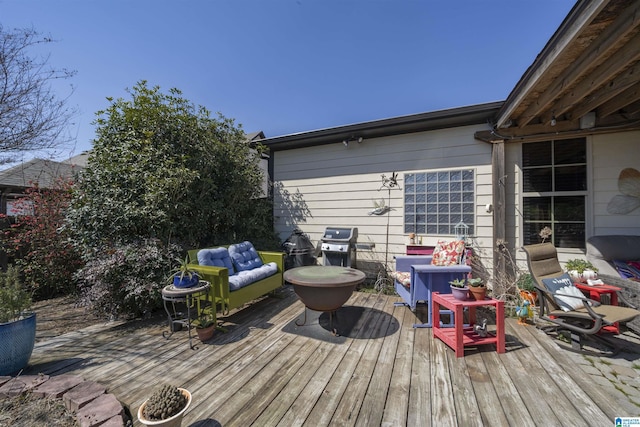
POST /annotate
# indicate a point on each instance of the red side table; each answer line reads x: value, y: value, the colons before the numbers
x: 460, y: 335
x: 595, y: 293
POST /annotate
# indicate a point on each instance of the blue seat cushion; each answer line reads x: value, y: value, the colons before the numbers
x: 244, y: 256
x: 247, y: 277
x: 216, y: 257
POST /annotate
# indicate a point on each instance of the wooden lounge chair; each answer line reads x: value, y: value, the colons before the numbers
x: 580, y: 316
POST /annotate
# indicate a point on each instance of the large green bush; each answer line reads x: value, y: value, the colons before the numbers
x: 127, y: 280
x: 162, y: 168
x: 165, y: 170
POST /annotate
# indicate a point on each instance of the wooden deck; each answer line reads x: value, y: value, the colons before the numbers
x: 265, y: 371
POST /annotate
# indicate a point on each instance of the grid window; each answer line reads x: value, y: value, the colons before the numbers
x: 434, y: 202
x: 554, y: 191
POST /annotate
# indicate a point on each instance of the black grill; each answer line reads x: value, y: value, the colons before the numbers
x: 339, y: 246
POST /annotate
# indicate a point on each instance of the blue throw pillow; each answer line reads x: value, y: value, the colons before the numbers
x: 244, y: 256
x: 216, y: 257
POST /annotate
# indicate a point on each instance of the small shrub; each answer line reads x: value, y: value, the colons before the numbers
x: 525, y: 282
x: 127, y: 279
x: 38, y: 242
x: 14, y: 299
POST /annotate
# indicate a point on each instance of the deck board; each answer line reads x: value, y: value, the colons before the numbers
x: 382, y: 372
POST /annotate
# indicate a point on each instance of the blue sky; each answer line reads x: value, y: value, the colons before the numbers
x: 288, y: 66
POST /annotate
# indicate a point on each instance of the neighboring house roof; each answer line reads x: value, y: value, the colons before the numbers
x: 40, y: 171
x: 454, y: 117
x: 587, y: 78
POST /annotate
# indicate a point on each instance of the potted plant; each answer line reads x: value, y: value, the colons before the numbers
x: 581, y: 270
x: 184, y: 276
x: 17, y: 323
x: 165, y: 407
x: 459, y: 289
x: 477, y: 288
x: 205, y: 326
x: 526, y: 288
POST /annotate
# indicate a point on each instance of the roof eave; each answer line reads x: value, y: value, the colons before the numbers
x: 441, y: 119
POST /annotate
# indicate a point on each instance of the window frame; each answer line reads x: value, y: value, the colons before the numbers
x: 467, y: 199
x: 585, y: 194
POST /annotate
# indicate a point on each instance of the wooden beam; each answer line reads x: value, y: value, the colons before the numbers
x: 576, y: 22
x: 499, y: 208
x: 624, y: 24
x: 586, y: 95
x: 627, y: 97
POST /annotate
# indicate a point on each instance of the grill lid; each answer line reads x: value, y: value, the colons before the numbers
x: 340, y: 234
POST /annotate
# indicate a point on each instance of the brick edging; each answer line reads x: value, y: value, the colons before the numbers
x: 88, y: 400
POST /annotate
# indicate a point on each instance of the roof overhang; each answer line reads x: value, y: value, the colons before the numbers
x: 585, y: 81
x: 455, y: 117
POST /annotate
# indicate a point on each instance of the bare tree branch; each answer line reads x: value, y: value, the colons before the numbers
x: 32, y: 116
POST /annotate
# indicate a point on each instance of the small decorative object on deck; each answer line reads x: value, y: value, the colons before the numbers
x: 523, y: 312
x: 459, y: 289
x: 477, y: 288
x: 165, y: 407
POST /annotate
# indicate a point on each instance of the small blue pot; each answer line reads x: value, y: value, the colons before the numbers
x: 186, y: 281
x: 18, y: 339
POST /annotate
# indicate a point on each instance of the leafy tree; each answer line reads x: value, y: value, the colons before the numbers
x: 162, y: 168
x: 39, y: 243
x: 32, y: 118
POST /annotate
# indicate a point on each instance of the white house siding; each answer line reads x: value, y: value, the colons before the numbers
x: 612, y: 153
x: 334, y: 185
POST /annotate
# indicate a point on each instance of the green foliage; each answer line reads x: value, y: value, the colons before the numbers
x: 458, y: 283
x: 14, y: 298
x: 579, y: 265
x: 127, y: 280
x: 475, y: 282
x: 205, y: 320
x: 162, y: 168
x: 183, y: 269
x: 38, y: 242
x: 525, y: 282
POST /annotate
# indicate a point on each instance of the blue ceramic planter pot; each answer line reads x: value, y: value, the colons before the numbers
x: 18, y: 339
x: 186, y: 281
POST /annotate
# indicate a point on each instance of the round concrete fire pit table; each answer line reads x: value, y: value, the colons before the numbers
x: 323, y: 288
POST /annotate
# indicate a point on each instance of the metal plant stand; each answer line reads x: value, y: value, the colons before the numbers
x: 189, y: 297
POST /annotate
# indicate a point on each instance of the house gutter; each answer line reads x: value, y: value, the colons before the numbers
x: 441, y: 119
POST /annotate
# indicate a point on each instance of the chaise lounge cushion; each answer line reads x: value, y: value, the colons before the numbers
x: 216, y: 257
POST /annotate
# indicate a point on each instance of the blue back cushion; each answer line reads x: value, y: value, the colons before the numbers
x: 216, y: 257
x: 244, y: 256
